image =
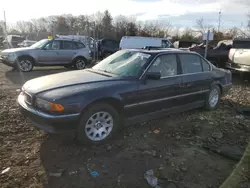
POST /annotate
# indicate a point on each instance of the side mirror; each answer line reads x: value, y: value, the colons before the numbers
x: 153, y: 75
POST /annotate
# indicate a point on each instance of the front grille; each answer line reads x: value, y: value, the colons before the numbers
x: 27, y: 98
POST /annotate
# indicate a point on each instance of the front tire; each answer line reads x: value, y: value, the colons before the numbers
x: 213, y: 98
x: 25, y: 64
x: 98, y: 124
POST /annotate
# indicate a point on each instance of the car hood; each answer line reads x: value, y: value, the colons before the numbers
x: 15, y: 50
x: 64, y: 79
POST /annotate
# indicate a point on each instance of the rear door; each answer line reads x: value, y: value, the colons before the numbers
x: 196, y: 77
x: 67, y: 52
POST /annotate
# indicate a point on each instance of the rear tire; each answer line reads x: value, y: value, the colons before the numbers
x: 98, y: 124
x: 213, y: 98
x: 80, y: 63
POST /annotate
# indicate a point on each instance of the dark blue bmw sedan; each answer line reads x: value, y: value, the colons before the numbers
x: 127, y: 87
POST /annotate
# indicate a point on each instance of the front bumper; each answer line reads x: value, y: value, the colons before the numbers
x: 7, y: 62
x: 47, y: 122
x: 238, y: 67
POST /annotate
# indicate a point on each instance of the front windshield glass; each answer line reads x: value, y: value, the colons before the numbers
x: 40, y: 43
x: 123, y: 63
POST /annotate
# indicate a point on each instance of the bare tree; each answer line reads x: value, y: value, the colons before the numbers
x: 202, y: 27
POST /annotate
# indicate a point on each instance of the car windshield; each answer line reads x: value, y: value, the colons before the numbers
x: 123, y: 63
x: 40, y: 43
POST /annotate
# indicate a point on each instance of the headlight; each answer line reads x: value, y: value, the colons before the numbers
x: 48, y: 106
x: 11, y: 56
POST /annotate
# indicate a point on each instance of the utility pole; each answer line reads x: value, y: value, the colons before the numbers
x: 219, y: 21
x: 5, y: 24
x: 208, y: 34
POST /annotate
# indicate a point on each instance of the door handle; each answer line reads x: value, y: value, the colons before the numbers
x: 184, y: 85
x: 181, y: 85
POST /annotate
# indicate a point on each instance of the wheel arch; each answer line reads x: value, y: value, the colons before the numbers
x: 218, y: 84
x: 78, y: 57
x: 27, y: 56
x: 114, y: 102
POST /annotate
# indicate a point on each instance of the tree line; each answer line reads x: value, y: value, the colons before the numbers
x: 103, y: 25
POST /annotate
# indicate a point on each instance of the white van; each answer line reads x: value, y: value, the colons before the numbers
x: 134, y: 42
x: 239, y: 55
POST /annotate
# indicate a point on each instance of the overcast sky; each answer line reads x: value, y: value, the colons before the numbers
x: 179, y: 12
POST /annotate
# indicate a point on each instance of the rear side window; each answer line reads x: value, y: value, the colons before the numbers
x: 190, y: 63
x: 205, y: 65
x: 78, y: 45
x: 110, y: 43
x: 67, y: 45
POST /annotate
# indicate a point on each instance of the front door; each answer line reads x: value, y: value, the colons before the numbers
x: 156, y: 95
x: 50, y: 53
x: 196, y: 78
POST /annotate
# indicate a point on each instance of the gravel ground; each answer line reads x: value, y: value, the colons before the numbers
x: 182, y: 149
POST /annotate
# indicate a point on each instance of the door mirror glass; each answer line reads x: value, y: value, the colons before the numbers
x: 153, y: 75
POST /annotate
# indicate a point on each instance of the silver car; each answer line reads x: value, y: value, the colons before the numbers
x: 48, y: 52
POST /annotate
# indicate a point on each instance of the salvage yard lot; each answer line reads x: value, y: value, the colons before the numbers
x: 175, y: 147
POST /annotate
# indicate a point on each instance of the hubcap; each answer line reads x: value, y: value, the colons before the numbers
x: 80, y: 64
x: 213, y: 97
x: 99, y: 126
x: 25, y: 65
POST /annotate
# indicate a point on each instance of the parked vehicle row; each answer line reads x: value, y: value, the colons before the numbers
x: 78, y: 51
x: 128, y: 87
x: 216, y: 55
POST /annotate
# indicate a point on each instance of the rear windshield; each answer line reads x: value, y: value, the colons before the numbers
x: 241, y: 44
x: 110, y: 43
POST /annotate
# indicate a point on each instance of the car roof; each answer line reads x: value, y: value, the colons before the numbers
x: 67, y: 39
x: 162, y: 51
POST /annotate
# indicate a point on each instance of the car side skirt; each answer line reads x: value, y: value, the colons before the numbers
x: 162, y: 113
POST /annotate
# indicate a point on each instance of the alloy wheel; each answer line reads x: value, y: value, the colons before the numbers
x: 80, y: 64
x: 213, y: 97
x: 99, y: 126
x: 25, y: 65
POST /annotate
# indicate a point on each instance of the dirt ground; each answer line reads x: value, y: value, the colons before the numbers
x: 177, y: 152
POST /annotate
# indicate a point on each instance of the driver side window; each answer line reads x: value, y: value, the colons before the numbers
x: 165, y: 64
x: 54, y: 45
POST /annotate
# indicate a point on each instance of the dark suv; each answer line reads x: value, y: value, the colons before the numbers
x: 107, y: 47
x: 130, y: 86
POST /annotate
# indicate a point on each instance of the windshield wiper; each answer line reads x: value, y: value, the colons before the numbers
x: 98, y: 71
x: 107, y: 71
